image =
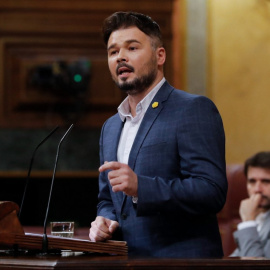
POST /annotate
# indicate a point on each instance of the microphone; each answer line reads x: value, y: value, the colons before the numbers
x: 45, y: 239
x: 30, y: 167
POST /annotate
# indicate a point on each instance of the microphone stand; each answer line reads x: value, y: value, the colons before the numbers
x: 45, y: 239
x: 30, y: 167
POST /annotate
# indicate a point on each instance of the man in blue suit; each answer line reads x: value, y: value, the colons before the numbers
x: 162, y: 174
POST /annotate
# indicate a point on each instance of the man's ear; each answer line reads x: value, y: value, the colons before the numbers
x: 161, y: 56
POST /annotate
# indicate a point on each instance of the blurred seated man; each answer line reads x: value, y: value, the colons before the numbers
x: 253, y: 233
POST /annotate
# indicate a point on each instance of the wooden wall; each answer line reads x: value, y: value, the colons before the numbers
x: 38, y: 34
x: 42, y: 35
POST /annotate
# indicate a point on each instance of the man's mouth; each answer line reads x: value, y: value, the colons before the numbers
x: 123, y: 70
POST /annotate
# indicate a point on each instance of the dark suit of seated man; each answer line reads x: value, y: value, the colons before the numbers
x: 253, y: 234
x: 163, y: 175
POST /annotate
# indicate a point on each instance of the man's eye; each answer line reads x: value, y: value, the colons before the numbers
x: 112, y: 52
x: 251, y: 181
x: 266, y: 181
x: 132, y: 48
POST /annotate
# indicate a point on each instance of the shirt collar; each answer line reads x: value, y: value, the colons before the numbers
x: 124, y: 108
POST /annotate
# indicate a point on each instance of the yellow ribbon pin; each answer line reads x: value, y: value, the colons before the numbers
x: 155, y: 104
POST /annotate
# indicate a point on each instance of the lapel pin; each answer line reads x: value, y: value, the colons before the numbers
x: 155, y: 104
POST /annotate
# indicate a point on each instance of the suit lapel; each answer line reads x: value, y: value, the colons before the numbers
x: 111, y: 151
x: 114, y: 138
x: 148, y: 120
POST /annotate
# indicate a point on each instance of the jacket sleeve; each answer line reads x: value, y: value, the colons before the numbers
x: 250, y: 245
x: 201, y: 185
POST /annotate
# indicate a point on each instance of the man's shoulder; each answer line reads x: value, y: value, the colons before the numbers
x: 182, y: 94
x: 188, y: 99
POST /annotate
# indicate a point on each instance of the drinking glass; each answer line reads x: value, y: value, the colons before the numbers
x: 62, y: 228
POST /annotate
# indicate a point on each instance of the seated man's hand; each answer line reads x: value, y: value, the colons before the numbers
x: 102, y: 229
x: 249, y: 208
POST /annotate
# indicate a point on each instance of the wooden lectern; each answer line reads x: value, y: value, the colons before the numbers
x: 12, y: 234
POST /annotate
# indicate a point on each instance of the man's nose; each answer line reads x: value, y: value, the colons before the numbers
x: 121, y: 57
x: 258, y: 187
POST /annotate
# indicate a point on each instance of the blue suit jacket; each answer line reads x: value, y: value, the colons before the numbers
x: 179, y: 158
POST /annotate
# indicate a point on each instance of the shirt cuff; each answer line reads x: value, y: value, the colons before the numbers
x: 246, y: 224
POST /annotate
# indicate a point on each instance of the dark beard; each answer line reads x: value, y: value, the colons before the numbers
x: 266, y: 206
x: 138, y: 85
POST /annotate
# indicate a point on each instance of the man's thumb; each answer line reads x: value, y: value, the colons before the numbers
x: 113, y: 226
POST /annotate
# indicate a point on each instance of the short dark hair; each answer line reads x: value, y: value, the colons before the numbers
x: 261, y: 160
x: 121, y: 19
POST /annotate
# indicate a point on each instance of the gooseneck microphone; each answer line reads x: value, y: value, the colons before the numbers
x: 30, y: 167
x: 45, y: 239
